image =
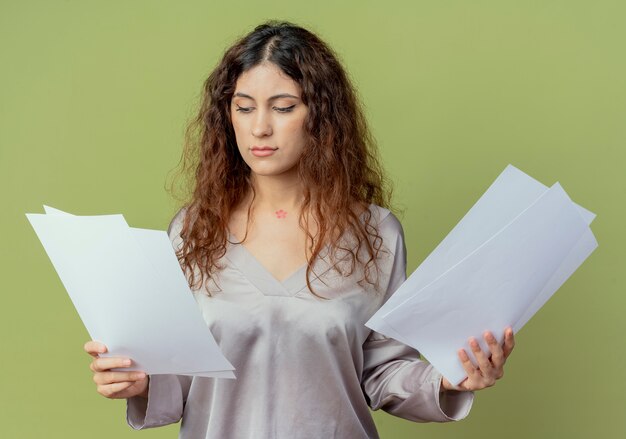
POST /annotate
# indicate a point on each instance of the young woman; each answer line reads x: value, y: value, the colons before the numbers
x: 289, y: 247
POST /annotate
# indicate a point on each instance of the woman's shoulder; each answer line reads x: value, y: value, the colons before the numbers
x: 386, y: 221
x: 176, y: 223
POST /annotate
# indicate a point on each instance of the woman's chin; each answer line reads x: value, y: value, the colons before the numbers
x: 274, y: 171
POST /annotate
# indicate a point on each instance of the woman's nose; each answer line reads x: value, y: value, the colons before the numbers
x: 261, y: 125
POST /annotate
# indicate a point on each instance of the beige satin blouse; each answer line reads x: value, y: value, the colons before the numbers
x: 306, y: 367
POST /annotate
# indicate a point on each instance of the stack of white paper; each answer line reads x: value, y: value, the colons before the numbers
x: 507, y: 256
x: 130, y: 293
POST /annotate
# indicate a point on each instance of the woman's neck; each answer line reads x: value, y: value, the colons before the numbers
x: 276, y: 192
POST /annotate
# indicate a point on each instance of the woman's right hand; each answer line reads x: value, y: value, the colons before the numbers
x: 111, y: 384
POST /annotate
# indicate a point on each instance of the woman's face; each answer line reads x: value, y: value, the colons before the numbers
x: 266, y: 111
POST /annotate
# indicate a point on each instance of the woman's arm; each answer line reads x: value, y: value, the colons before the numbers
x: 394, y: 378
x: 164, y: 403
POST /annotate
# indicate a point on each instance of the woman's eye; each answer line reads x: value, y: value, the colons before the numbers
x: 279, y: 109
x: 243, y: 109
x: 285, y: 109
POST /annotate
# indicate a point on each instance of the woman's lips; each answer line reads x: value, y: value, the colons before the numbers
x: 263, y: 152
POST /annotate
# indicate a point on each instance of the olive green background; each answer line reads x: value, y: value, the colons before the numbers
x: 94, y: 97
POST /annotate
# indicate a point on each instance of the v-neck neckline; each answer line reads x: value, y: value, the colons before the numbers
x: 265, y: 281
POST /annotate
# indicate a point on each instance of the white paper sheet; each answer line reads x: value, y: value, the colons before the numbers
x: 130, y: 292
x: 514, y: 248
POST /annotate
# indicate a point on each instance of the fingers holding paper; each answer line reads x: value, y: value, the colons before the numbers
x: 94, y: 348
x: 113, y: 384
x: 489, y: 367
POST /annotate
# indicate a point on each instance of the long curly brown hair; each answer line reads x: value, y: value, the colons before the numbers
x: 339, y: 167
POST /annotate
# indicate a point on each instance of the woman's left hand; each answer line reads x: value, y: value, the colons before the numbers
x: 490, y: 368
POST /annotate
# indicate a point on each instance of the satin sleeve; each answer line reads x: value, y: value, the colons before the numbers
x: 394, y: 378
x: 167, y: 395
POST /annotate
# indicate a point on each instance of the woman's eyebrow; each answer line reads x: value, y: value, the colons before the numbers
x: 271, y: 98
